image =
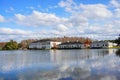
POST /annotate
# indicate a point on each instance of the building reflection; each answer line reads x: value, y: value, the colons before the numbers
x: 66, y: 56
x: 118, y: 53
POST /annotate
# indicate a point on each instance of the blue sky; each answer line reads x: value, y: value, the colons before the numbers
x: 31, y: 19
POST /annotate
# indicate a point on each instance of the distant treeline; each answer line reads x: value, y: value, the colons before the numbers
x: 116, y: 40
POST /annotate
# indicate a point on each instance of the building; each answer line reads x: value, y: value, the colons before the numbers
x: 44, y: 44
x: 71, y: 45
x: 102, y: 44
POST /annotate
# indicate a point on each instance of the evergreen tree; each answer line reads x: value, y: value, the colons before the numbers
x: 118, y: 40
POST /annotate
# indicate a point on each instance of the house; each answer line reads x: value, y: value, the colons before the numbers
x: 71, y: 45
x: 44, y: 44
x: 102, y: 44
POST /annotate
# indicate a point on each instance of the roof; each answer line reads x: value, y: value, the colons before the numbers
x: 101, y: 42
x: 67, y: 43
x: 43, y: 40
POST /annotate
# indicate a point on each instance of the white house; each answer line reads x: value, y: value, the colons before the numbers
x: 102, y: 44
x: 71, y: 45
x: 44, y: 44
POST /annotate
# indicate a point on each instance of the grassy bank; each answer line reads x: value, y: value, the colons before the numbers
x: 115, y: 47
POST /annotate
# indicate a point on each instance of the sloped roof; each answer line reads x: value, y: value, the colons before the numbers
x: 101, y: 42
x: 71, y: 43
x: 43, y: 40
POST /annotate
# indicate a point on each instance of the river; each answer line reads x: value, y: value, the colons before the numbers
x: 84, y: 64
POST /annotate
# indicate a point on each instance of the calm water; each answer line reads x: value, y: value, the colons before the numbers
x: 85, y: 64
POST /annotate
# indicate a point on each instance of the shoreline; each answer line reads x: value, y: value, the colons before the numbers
x: 117, y: 47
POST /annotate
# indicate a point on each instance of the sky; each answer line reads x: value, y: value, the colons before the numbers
x: 36, y: 19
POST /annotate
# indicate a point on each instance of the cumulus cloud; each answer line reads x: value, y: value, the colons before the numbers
x: 95, y: 11
x: 117, y: 13
x: 78, y: 20
x: 68, y: 4
x: 92, y: 11
x: 37, y: 19
x: 9, y: 31
x: 62, y: 28
x: 2, y: 19
x: 116, y: 5
x: 7, y: 34
x: 95, y: 20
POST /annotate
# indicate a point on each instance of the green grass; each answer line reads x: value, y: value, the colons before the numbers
x: 116, y: 47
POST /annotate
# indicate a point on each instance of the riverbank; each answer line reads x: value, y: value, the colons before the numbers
x: 115, y: 47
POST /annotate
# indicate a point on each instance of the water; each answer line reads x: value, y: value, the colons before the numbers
x: 84, y: 64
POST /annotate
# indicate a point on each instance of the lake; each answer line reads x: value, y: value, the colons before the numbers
x: 84, y: 64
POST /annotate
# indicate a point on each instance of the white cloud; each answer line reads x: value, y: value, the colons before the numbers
x: 20, y: 17
x: 84, y: 18
x: 9, y: 31
x: 2, y: 19
x: 69, y: 5
x: 87, y: 11
x: 115, y: 3
x: 91, y: 11
x: 95, y: 11
x: 117, y: 13
x: 78, y: 20
x: 61, y: 28
x: 37, y: 19
x: 7, y: 34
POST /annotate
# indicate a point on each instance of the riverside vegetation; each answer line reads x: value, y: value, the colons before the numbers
x: 12, y: 45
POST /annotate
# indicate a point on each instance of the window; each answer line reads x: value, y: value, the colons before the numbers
x: 97, y: 44
x: 106, y: 45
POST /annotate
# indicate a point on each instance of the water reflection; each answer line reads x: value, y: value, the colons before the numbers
x: 118, y: 53
x: 76, y: 55
x: 89, y: 64
x: 14, y: 60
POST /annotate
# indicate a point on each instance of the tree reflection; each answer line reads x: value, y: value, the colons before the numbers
x: 118, y: 53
